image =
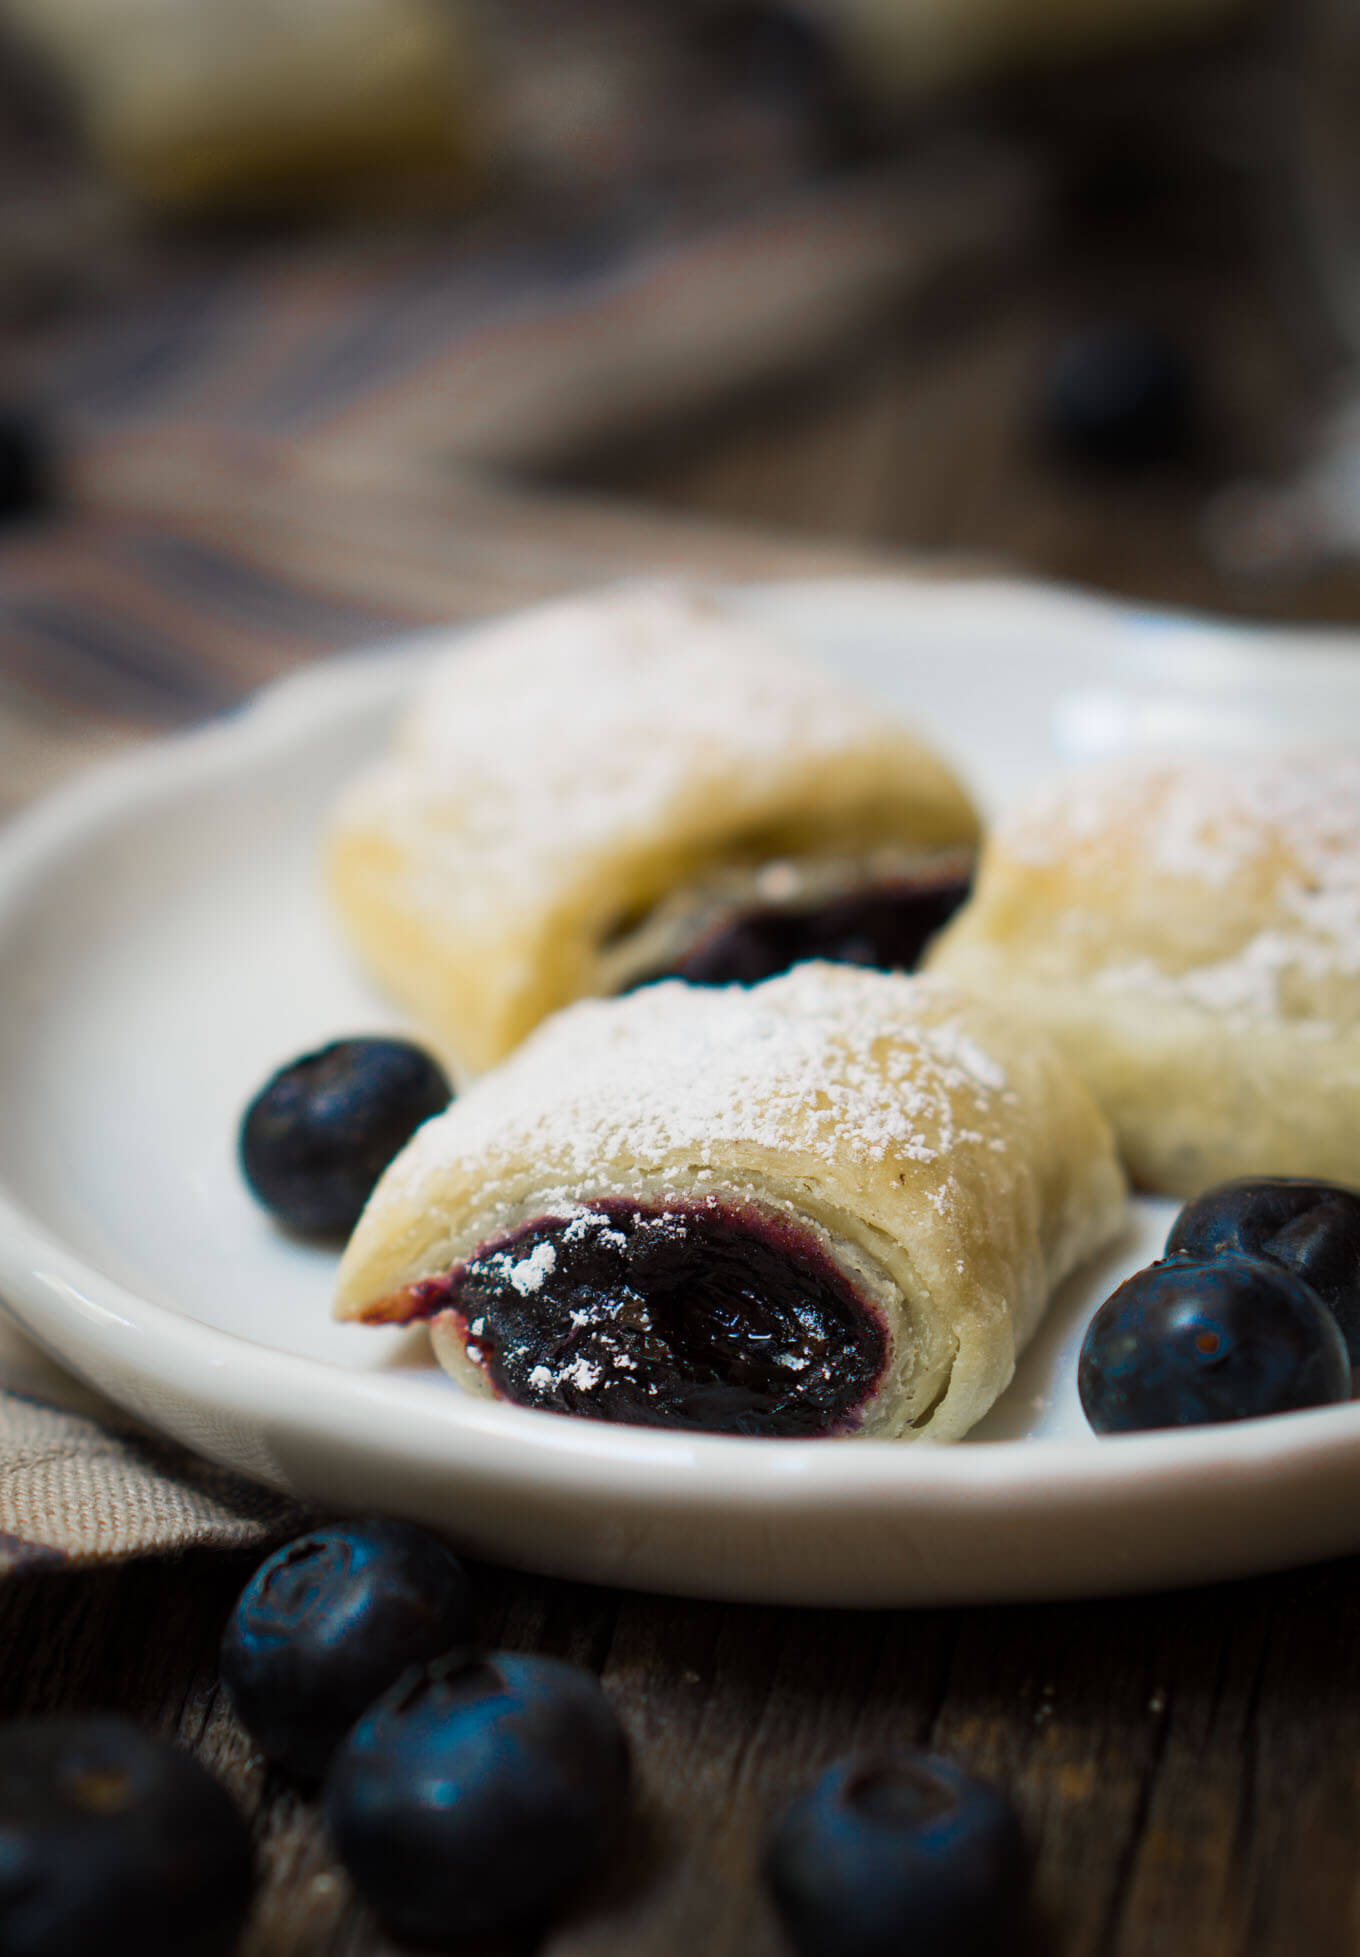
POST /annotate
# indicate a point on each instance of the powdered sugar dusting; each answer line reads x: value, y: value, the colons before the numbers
x: 961, y: 1050
x: 529, y: 1274
x: 857, y: 1065
x: 1211, y: 817
x: 580, y: 1372
x: 1274, y: 837
x: 555, y: 733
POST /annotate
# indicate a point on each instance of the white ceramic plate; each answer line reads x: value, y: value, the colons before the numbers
x: 163, y: 946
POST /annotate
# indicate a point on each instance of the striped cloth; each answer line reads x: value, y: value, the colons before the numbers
x: 84, y: 1484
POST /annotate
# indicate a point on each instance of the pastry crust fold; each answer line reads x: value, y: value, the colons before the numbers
x: 1188, y: 932
x: 951, y: 1170
x: 564, y: 773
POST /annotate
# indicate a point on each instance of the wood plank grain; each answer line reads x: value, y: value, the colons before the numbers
x: 1187, y: 1764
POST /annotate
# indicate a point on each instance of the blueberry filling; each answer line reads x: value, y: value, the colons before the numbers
x: 689, y: 1316
x: 886, y: 925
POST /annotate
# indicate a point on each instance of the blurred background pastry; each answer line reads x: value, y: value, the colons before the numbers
x: 198, y: 105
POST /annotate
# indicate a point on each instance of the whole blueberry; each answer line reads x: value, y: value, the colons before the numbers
x: 25, y: 472
x: 476, y: 1794
x: 319, y: 1133
x: 1195, y: 1340
x: 327, y: 1623
x: 1118, y: 395
x: 1311, y: 1228
x: 779, y: 48
x: 897, y: 1852
x: 116, y: 1844
x: 791, y: 58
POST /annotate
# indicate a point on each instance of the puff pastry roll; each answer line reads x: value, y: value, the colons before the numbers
x: 1188, y: 932
x: 620, y: 787
x: 835, y: 1202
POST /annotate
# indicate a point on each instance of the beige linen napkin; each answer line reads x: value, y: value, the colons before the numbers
x: 81, y: 1482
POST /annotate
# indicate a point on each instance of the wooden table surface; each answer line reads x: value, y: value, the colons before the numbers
x: 1187, y: 1766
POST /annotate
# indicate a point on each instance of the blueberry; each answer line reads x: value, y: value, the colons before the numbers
x: 319, y: 1134
x: 898, y: 1852
x: 780, y: 49
x: 1195, y: 1340
x: 787, y: 55
x: 328, y: 1623
x: 1311, y: 1228
x: 472, y: 1798
x: 24, y: 469
x: 1118, y: 396
x: 115, y: 1842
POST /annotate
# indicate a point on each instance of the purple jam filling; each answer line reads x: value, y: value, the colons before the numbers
x: 693, y: 1315
x: 884, y: 925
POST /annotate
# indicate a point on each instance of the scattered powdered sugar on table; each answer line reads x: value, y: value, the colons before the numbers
x: 856, y: 1064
